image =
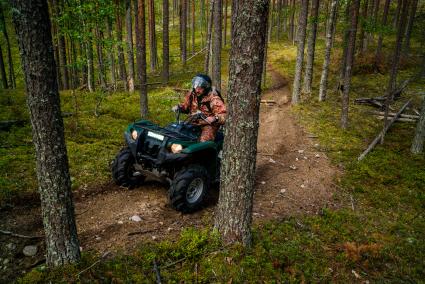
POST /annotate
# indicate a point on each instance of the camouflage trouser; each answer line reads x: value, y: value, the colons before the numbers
x: 208, y: 133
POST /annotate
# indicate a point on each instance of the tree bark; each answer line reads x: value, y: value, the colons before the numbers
x: 216, y: 55
x: 100, y: 65
x: 121, y: 59
x: 3, y: 71
x: 302, y: 24
x: 183, y: 25
x: 234, y: 209
x: 410, y: 25
x: 225, y: 23
x: 380, y: 38
x: 12, y: 79
x: 32, y: 24
x: 418, y: 140
x: 311, y: 46
x: 350, y: 61
x: 165, y: 42
x: 140, y: 27
x: 209, y: 37
x: 90, y: 65
x: 152, y: 36
x: 111, y: 53
x: 362, y: 25
x: 343, y: 64
x: 329, y: 40
x: 130, y: 55
x: 292, y: 23
x: 397, y: 14
x: 392, y: 82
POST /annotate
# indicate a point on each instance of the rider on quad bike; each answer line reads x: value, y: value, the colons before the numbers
x: 207, y: 100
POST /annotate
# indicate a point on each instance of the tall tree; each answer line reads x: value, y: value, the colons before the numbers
x: 209, y: 38
x: 412, y: 13
x: 330, y: 31
x: 90, y: 64
x: 216, y: 55
x: 234, y: 210
x: 193, y: 26
x: 292, y: 22
x: 183, y: 29
x: 152, y: 36
x: 362, y: 27
x: 302, y: 24
x: 418, y: 140
x: 12, y: 79
x: 311, y: 46
x: 111, y: 52
x: 3, y: 71
x: 354, y: 14
x: 392, y: 82
x: 165, y: 42
x: 99, y: 52
x: 121, y: 59
x: 380, y: 38
x: 140, y: 28
x: 225, y: 23
x: 343, y: 64
x: 129, y: 28
x: 32, y: 24
x: 397, y: 13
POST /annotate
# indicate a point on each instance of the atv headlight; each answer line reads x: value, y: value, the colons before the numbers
x: 176, y: 148
x: 134, y: 134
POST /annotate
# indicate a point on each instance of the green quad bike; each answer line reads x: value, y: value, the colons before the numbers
x: 173, y: 155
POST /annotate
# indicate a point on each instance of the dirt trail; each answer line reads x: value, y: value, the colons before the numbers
x: 293, y: 178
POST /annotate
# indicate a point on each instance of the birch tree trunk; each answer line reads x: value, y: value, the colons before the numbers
x: 311, y: 46
x: 302, y: 24
x: 90, y: 65
x: 234, y: 210
x: 130, y: 55
x: 329, y: 40
x: 165, y: 42
x: 355, y: 5
x: 216, y: 55
x: 32, y: 24
x: 140, y: 27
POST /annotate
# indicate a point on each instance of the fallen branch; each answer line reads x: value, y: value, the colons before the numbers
x: 157, y: 273
x: 383, y: 132
x: 141, y: 232
x: 96, y: 262
x: 8, y: 233
x: 393, y: 114
x: 400, y: 119
x: 267, y: 101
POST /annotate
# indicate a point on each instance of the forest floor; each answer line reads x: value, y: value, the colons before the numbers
x: 294, y: 177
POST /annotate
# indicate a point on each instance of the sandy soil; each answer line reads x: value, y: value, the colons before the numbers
x: 293, y: 178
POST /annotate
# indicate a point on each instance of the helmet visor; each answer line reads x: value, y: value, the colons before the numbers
x: 200, y: 82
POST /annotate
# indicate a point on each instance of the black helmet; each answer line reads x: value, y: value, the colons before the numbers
x: 201, y: 80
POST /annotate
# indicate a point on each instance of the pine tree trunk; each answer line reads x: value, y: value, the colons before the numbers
x: 343, y: 64
x: 183, y: 31
x: 74, y: 71
x: 202, y: 21
x: 311, y: 46
x: 216, y: 55
x: 410, y: 25
x: 63, y: 61
x: 363, y: 19
x: 392, y: 82
x: 225, y: 23
x: 397, y: 14
x: 279, y: 19
x: 140, y: 27
x: 152, y: 36
x: 165, y: 42
x: 418, y: 140
x: 3, y: 71
x: 302, y: 25
x: 129, y: 28
x: 121, y: 59
x: 35, y: 43
x: 111, y: 53
x: 234, y: 210
x: 209, y: 37
x: 378, y: 55
x: 12, y: 79
x: 193, y: 27
x: 329, y: 40
x: 100, y: 65
x: 350, y: 61
x: 292, y: 23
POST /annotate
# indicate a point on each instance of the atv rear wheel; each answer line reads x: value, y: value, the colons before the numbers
x: 123, y: 171
x: 189, y: 188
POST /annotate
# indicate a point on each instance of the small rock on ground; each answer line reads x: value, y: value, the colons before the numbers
x: 30, y: 250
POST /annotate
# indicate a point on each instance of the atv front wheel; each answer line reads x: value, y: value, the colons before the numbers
x: 123, y: 171
x: 189, y: 188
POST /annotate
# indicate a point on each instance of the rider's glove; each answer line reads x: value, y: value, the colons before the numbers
x: 211, y: 119
x: 175, y: 108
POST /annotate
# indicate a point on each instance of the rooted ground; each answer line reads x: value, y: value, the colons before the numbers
x: 293, y: 178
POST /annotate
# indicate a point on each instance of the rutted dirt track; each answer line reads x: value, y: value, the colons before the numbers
x: 292, y: 178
